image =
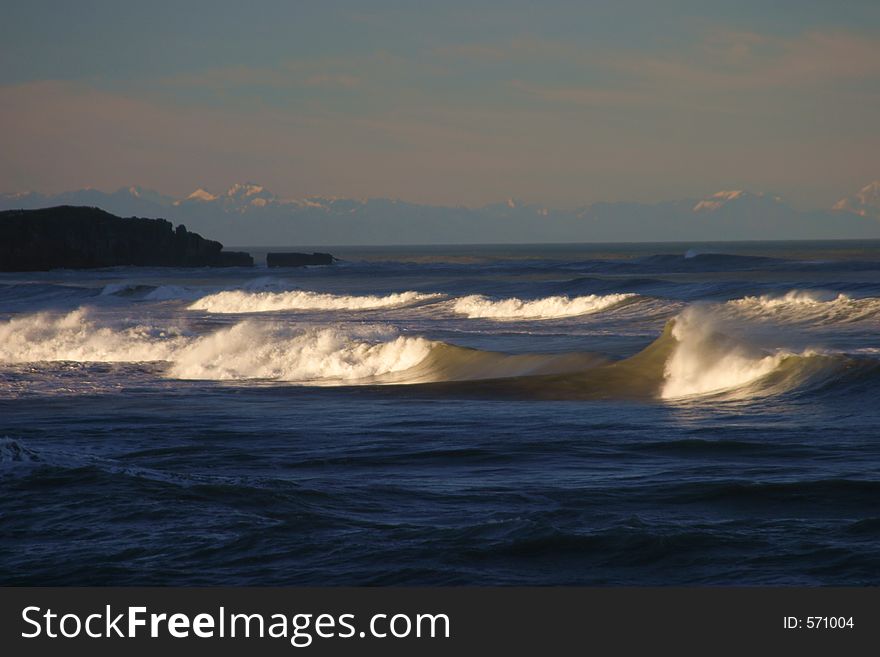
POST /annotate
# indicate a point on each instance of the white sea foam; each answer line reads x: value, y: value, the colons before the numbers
x: 76, y: 337
x: 807, y: 306
x: 245, y: 350
x: 239, y: 301
x: 112, y: 289
x: 478, y: 306
x: 255, y: 350
x: 173, y: 293
x: 706, y: 361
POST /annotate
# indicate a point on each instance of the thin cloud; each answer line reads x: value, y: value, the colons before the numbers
x: 714, y: 59
x: 555, y: 121
x: 726, y: 60
x: 587, y: 96
x: 341, y: 81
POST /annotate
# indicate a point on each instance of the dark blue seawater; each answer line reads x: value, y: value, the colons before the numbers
x: 609, y: 414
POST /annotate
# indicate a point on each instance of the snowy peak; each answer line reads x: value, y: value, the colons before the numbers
x: 243, y: 196
x: 724, y: 198
x: 246, y: 190
x: 718, y: 200
x: 865, y: 202
x: 249, y: 213
x: 143, y: 195
x: 239, y: 198
x: 201, y: 195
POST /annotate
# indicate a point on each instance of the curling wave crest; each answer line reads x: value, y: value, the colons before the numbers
x: 245, y: 350
x: 706, y: 361
x: 239, y: 301
x: 478, y: 306
x: 807, y: 306
x: 74, y: 336
x: 698, y: 354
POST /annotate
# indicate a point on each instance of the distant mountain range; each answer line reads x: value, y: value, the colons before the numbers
x: 249, y: 215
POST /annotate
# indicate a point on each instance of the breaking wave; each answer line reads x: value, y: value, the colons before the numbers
x: 246, y: 350
x: 706, y: 361
x: 122, y: 289
x: 478, y: 306
x: 693, y: 357
x: 172, y: 293
x: 251, y: 350
x: 142, y: 291
x: 238, y: 301
x: 276, y: 351
x: 75, y: 337
x: 807, y: 306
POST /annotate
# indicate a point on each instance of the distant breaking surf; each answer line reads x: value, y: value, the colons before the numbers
x: 238, y: 301
x: 474, y: 306
x: 478, y: 306
x: 807, y: 306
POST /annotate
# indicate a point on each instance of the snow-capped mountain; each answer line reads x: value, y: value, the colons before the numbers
x: 240, y: 198
x: 865, y: 202
x: 735, y: 198
x: 198, y: 195
x: 247, y: 214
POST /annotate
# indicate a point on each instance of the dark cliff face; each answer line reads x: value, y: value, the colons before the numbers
x: 81, y: 237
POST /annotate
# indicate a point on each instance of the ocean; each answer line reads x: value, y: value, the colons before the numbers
x: 610, y: 414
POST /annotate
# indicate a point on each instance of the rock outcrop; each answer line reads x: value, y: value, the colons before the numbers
x: 75, y: 237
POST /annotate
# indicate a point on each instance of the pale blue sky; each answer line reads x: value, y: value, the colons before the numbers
x: 561, y: 103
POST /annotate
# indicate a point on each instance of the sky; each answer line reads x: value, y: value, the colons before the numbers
x: 449, y: 103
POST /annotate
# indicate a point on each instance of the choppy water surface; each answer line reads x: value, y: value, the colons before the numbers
x: 610, y: 414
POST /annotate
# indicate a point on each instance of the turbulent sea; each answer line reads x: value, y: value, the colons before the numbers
x: 654, y: 414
